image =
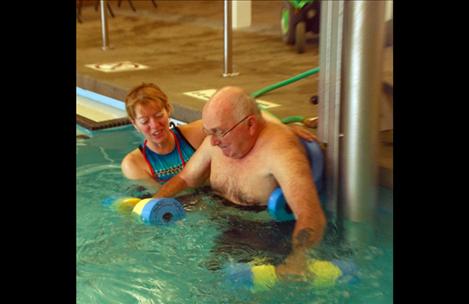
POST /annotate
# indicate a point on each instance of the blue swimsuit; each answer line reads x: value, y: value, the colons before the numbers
x: 165, y: 166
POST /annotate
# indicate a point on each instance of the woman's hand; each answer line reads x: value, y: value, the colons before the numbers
x: 302, y: 132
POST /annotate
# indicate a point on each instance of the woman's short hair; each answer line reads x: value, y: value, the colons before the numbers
x: 146, y: 93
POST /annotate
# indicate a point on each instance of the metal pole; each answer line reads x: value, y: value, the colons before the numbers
x: 361, y: 92
x: 104, y: 25
x: 227, y: 34
x: 330, y: 94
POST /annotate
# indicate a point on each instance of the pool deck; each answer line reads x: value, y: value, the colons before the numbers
x: 181, y: 43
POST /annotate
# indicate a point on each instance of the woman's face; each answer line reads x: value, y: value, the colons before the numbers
x: 152, y: 121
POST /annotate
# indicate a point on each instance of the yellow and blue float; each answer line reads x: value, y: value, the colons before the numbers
x: 159, y: 211
x: 154, y: 211
x: 320, y: 273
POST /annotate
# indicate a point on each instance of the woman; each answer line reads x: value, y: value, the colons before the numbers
x: 165, y: 150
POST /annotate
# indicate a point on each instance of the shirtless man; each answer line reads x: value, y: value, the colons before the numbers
x: 245, y: 158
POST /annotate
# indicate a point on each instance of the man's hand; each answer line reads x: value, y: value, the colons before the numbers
x: 294, y: 268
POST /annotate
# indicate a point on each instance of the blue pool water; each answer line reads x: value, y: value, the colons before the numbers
x: 121, y: 260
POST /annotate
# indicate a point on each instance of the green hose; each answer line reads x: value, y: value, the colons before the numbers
x: 290, y: 119
x: 285, y: 82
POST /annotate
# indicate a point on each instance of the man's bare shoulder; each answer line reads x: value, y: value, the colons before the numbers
x: 278, y: 136
x: 283, y: 152
x: 281, y: 146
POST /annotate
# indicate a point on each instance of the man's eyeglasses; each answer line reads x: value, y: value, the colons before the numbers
x: 221, y: 134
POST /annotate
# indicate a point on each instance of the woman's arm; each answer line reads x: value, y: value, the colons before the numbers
x: 298, y: 130
x: 193, y: 132
x: 134, y: 167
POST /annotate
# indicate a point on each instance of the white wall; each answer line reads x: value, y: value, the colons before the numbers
x: 388, y: 10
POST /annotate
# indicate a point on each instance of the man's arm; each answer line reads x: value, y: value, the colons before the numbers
x: 292, y: 171
x: 194, y: 173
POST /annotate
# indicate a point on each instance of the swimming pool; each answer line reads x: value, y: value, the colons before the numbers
x: 121, y: 260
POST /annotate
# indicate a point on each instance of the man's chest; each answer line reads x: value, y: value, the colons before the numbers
x: 242, y: 182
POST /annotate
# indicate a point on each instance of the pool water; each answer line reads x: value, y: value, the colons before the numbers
x: 121, y: 260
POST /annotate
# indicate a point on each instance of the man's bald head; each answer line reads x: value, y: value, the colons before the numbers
x: 231, y: 102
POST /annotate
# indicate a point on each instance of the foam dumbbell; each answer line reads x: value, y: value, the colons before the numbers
x: 322, y: 274
x: 123, y: 204
x: 159, y: 211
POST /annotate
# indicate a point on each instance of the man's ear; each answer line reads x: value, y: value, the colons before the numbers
x: 252, y: 124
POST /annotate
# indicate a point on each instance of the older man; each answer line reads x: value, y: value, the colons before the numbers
x: 245, y: 158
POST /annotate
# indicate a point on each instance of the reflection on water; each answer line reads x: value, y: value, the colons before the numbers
x: 89, y: 169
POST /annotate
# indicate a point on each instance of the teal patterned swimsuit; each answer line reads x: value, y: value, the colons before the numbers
x: 165, y: 166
